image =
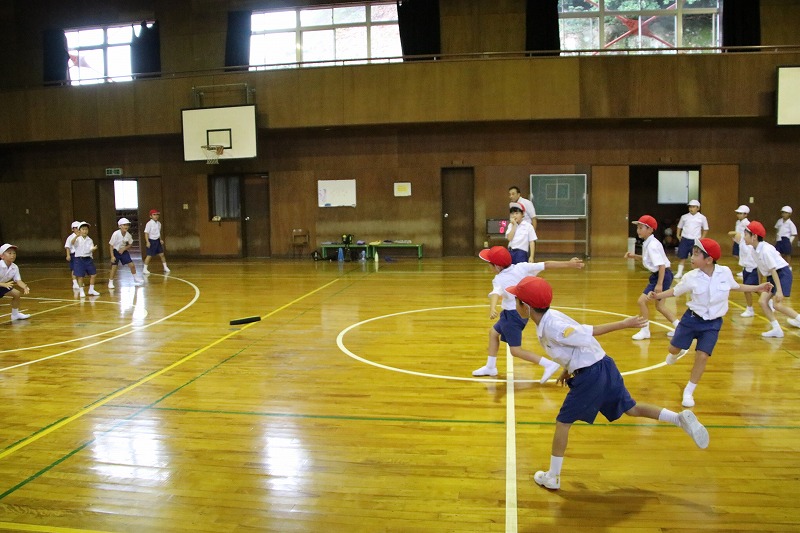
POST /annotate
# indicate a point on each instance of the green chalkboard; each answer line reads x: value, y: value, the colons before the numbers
x: 559, y: 195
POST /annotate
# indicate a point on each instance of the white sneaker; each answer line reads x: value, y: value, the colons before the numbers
x: 672, y: 358
x: 689, y: 423
x: 93, y: 292
x: 748, y: 313
x: 110, y: 284
x: 671, y: 333
x: 546, y: 480
x: 551, y: 368
x: 776, y: 333
x: 643, y: 334
x: 145, y: 271
x: 795, y: 321
x: 82, y: 294
x: 167, y: 270
x: 688, y: 401
x: 485, y: 371
x: 19, y: 316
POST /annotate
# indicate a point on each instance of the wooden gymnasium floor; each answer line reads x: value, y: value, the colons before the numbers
x: 350, y: 407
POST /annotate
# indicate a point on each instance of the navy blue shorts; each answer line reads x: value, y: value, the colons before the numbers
x: 510, y: 327
x: 735, y: 252
x: 3, y: 291
x: 598, y: 388
x: 785, y: 275
x: 84, y: 266
x: 685, y: 248
x: 651, y: 285
x: 518, y: 255
x: 123, y: 258
x: 784, y: 246
x: 155, y: 247
x: 693, y: 327
x: 750, y: 277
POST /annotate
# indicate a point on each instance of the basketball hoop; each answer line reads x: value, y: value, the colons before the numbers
x: 213, y: 151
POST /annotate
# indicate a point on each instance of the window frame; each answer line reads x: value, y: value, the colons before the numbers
x: 300, y: 29
x: 226, y: 204
x: 104, y: 47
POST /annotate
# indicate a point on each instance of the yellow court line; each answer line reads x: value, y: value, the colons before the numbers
x: 146, y: 379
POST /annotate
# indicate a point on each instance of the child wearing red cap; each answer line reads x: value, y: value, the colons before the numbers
x: 777, y: 270
x: 595, y: 384
x: 654, y: 259
x: 510, y: 325
x: 154, y: 242
x: 709, y: 286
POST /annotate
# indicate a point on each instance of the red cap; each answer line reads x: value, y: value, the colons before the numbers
x: 496, y: 255
x: 534, y: 291
x: 709, y: 246
x: 648, y: 221
x: 154, y: 212
x: 757, y: 228
x: 517, y: 205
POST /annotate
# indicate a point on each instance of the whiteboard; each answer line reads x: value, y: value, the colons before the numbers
x: 336, y: 193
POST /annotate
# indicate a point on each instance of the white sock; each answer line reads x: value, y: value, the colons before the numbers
x: 775, y: 324
x: 14, y: 311
x: 680, y: 269
x: 91, y: 287
x: 491, y: 362
x: 555, y: 465
x: 689, y: 390
x: 668, y: 416
x: 676, y: 322
x: 749, y: 308
x: 164, y: 264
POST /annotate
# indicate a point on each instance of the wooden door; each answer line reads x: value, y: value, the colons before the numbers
x: 608, y: 211
x: 458, y: 211
x: 255, y: 216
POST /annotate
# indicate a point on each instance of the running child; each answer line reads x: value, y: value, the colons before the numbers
x: 120, y: 243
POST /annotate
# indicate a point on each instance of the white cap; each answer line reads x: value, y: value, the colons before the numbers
x: 76, y: 224
x: 84, y: 223
x: 122, y: 221
x: 786, y: 209
x: 694, y: 203
x: 518, y: 205
x: 742, y: 209
x: 6, y: 247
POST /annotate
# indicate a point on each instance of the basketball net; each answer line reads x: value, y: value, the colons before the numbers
x: 213, y: 151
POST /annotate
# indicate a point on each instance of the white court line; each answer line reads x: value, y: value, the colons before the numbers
x: 511, y: 447
x: 132, y: 329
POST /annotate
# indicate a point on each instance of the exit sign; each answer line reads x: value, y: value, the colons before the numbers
x: 113, y: 172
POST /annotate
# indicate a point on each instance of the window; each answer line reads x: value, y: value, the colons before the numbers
x: 654, y: 25
x: 224, y: 197
x: 101, y: 55
x: 356, y: 33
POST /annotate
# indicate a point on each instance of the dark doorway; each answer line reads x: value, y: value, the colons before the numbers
x: 458, y: 213
x: 256, y: 216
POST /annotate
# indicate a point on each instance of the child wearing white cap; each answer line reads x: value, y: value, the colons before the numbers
x: 9, y: 276
x: 70, y: 249
x: 120, y: 243
x: 84, y: 264
x: 787, y: 232
x: 746, y: 255
x: 692, y: 226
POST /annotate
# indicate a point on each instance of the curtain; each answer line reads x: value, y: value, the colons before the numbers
x: 146, y: 52
x: 419, y: 27
x: 237, y: 42
x: 741, y: 23
x: 56, y: 58
x: 541, y: 27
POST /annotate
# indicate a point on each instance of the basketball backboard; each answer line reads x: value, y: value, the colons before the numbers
x: 232, y: 127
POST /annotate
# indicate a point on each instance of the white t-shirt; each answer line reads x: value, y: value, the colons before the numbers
x: 9, y: 272
x: 508, y: 278
x: 653, y: 254
x: 119, y: 241
x: 523, y: 235
x: 747, y: 255
x: 570, y: 344
x: 786, y: 228
x: 153, y: 229
x: 530, y: 211
x: 692, y: 226
x: 83, y: 246
x: 709, y: 294
x: 68, y: 245
x: 768, y: 259
x: 741, y: 225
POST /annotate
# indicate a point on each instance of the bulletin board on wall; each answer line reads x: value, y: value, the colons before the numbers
x: 336, y: 193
